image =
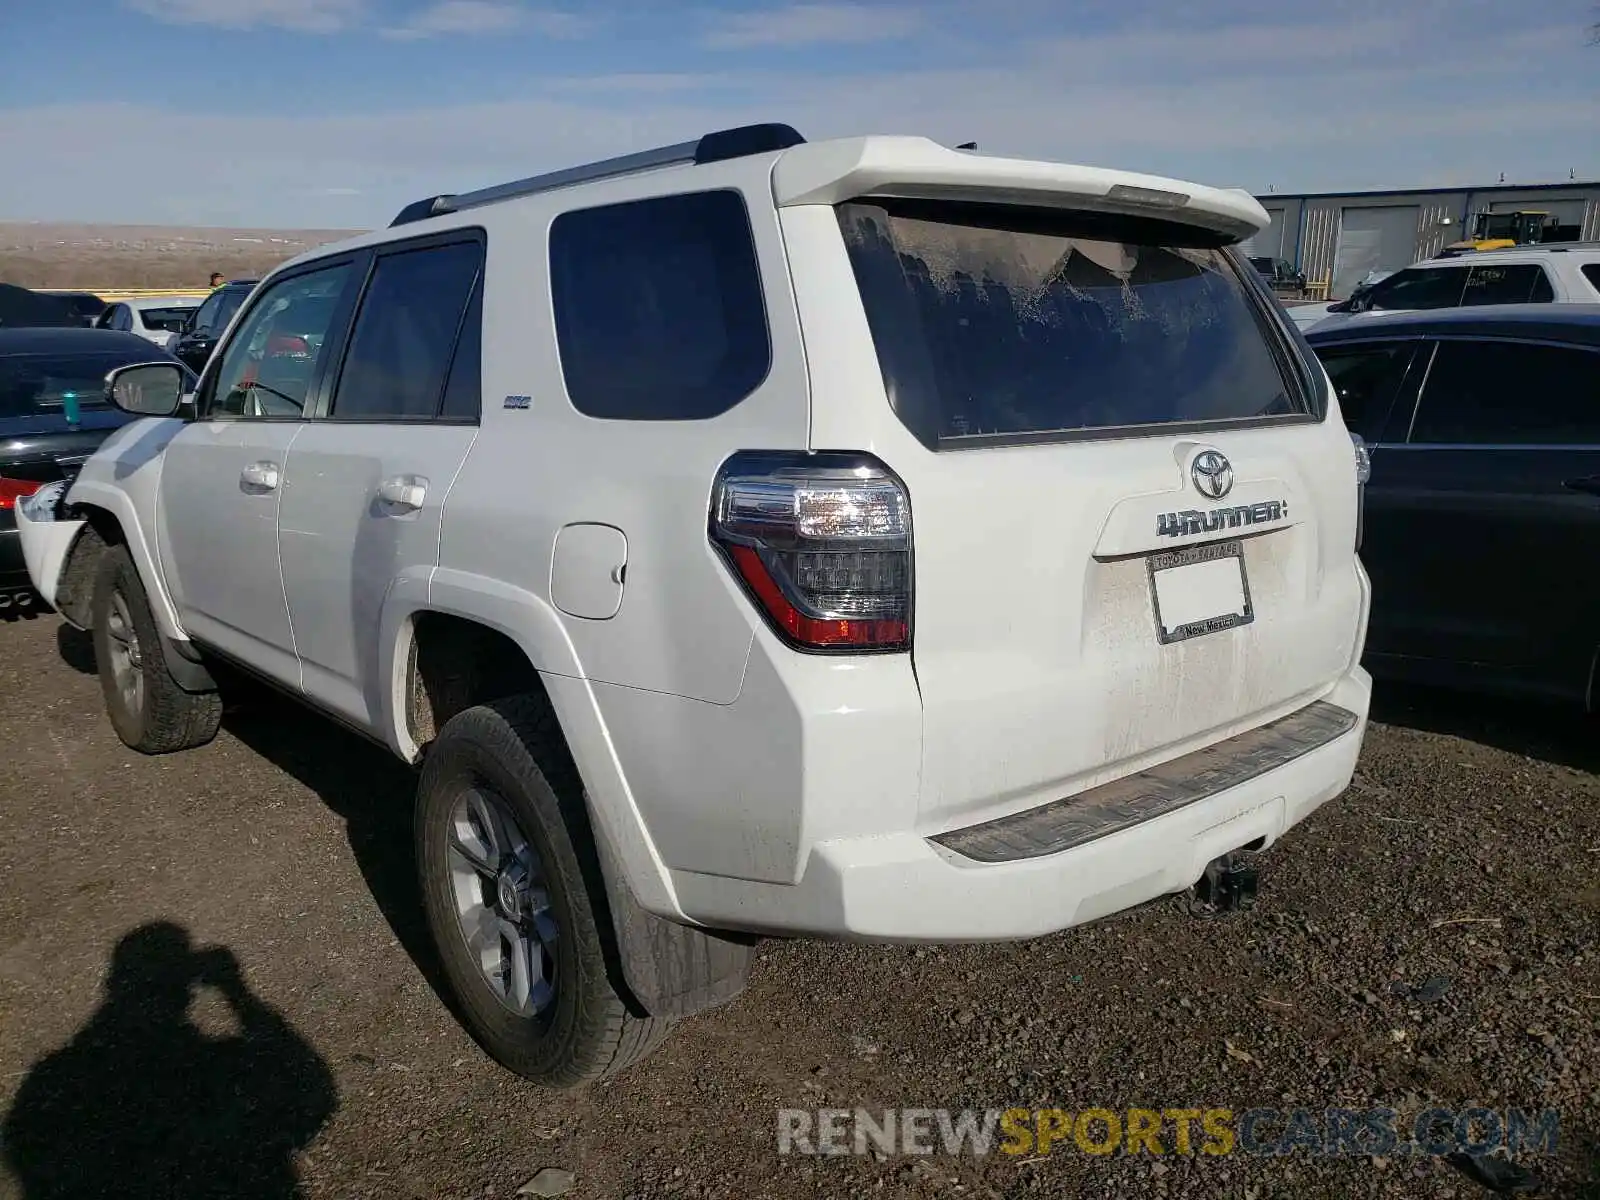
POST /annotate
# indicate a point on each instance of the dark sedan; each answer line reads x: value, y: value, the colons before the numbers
x: 1482, y: 531
x: 52, y: 416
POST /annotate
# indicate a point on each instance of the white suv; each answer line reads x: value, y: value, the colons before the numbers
x: 861, y: 539
x: 1564, y: 273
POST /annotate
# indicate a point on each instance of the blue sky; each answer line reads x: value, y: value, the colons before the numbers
x: 333, y: 113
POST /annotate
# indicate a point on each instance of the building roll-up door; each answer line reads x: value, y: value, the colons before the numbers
x: 1269, y: 242
x: 1373, y: 239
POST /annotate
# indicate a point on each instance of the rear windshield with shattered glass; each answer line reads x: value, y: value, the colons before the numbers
x: 1003, y: 324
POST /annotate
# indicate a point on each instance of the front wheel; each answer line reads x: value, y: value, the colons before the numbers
x: 510, y: 877
x: 148, y: 709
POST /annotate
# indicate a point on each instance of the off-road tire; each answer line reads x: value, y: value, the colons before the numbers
x: 168, y: 718
x: 590, y: 1031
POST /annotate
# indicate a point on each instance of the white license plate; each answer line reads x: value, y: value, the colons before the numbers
x: 1199, y: 590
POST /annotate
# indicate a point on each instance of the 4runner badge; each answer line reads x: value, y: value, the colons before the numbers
x: 1191, y: 520
x: 519, y: 402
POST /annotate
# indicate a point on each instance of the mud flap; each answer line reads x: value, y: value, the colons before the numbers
x: 672, y: 970
x: 185, y: 667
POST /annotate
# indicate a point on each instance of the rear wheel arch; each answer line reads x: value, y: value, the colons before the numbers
x: 450, y: 664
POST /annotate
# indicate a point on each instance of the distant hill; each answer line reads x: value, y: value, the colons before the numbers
x: 49, y: 255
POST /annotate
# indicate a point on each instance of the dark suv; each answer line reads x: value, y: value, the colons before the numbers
x: 200, y: 333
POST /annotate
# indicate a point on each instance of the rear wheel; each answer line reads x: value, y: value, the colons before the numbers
x: 148, y: 709
x: 509, y: 877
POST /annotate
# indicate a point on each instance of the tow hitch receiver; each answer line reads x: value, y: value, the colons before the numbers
x: 1226, y: 886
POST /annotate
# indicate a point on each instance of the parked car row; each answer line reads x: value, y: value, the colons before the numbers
x: 53, y: 415
x: 159, y: 319
x: 55, y: 350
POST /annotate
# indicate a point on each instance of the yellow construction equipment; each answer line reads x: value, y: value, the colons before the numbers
x: 1498, y: 230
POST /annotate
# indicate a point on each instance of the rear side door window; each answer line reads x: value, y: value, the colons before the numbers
x: 1419, y: 288
x: 1517, y: 283
x: 406, y: 334
x: 1489, y: 393
x: 1366, y: 378
x: 463, y: 400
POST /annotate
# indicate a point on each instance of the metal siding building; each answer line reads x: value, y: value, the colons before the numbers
x: 1338, y: 237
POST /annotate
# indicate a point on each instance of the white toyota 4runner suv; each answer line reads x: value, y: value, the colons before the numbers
x: 861, y: 539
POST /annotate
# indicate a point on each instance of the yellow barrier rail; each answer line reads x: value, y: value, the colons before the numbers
x: 114, y: 294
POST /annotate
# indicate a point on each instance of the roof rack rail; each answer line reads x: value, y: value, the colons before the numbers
x: 718, y: 146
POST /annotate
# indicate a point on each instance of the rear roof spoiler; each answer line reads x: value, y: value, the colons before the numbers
x: 832, y: 172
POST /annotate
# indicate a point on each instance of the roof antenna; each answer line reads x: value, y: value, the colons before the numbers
x: 967, y: 146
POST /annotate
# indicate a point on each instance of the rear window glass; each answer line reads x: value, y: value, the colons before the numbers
x: 998, y: 324
x: 168, y: 320
x: 44, y: 383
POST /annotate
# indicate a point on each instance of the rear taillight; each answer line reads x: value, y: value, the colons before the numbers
x: 822, y: 542
x: 12, y: 490
x: 1363, y: 473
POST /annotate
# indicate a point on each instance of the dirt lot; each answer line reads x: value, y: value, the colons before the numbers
x: 48, y: 255
x: 1428, y: 939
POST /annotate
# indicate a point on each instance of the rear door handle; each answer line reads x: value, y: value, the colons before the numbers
x: 403, y: 491
x: 262, y: 476
x: 1590, y: 485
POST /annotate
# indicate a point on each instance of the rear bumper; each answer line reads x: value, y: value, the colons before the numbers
x: 43, y: 541
x: 907, y: 887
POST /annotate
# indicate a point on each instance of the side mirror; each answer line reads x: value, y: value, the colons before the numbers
x: 146, y: 389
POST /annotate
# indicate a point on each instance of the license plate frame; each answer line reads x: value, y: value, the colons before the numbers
x: 1188, y: 556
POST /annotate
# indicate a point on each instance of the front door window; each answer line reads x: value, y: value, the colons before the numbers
x: 270, y: 363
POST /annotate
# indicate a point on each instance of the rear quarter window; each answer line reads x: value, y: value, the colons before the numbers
x: 659, y: 310
x: 994, y: 323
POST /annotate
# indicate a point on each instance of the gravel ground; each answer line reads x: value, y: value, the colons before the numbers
x: 1428, y: 939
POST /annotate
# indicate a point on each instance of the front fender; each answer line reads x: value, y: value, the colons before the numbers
x: 118, y: 504
x: 123, y: 478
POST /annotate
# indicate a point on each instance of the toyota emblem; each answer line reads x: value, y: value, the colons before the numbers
x: 1212, y: 474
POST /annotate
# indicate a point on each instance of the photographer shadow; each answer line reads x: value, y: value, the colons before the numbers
x: 144, y: 1103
